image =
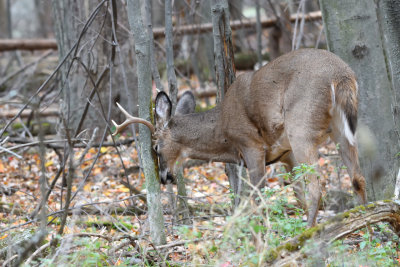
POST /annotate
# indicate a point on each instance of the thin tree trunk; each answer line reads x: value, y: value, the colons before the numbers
x: 172, y: 83
x: 225, y: 72
x: 3, y: 19
x: 154, y: 68
x: 389, y: 21
x: 142, y: 50
x: 372, y: 50
x: 259, y: 34
x: 173, y: 92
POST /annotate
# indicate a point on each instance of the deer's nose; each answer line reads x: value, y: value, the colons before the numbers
x: 169, y: 178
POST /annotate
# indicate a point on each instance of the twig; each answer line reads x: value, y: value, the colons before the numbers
x: 109, y: 239
x: 131, y: 240
x: 9, y: 260
x: 180, y: 243
x: 34, y: 254
x: 3, y: 149
x: 15, y: 73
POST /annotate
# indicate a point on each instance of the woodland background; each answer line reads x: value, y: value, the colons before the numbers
x: 73, y: 195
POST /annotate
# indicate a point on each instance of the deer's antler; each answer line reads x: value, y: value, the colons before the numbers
x: 129, y: 120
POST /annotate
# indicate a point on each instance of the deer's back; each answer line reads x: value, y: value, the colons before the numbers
x: 298, y: 82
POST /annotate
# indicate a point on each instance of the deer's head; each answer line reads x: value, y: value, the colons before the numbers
x: 168, y: 149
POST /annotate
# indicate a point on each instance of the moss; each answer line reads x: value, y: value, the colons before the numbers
x: 272, y: 254
x: 370, y: 206
x: 346, y: 214
x: 291, y: 246
x: 307, y: 234
x: 358, y: 209
x: 387, y: 201
x: 17, y: 126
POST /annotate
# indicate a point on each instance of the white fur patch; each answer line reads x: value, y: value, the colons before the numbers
x: 346, y: 128
x: 356, y: 87
x: 332, y: 98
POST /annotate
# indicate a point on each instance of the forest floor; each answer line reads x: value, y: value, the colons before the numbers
x: 107, y: 225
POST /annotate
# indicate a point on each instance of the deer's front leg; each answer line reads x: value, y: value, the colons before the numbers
x: 255, y: 161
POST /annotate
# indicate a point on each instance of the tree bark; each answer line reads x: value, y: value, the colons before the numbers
x: 154, y: 68
x: 3, y: 19
x: 259, y: 33
x: 173, y: 93
x: 169, y: 51
x: 225, y: 73
x: 43, y: 8
x: 389, y: 21
x: 142, y: 50
x: 372, y: 51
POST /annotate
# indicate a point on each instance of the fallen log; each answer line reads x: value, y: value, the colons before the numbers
x: 336, y: 228
x: 27, y: 113
x: 43, y: 44
x: 235, y: 25
x: 27, y: 44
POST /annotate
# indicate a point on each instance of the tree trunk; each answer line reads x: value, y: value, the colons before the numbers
x: 169, y: 51
x: 43, y: 8
x: 88, y: 63
x: 154, y: 68
x: 225, y: 73
x: 173, y: 93
x: 142, y: 50
x: 259, y: 34
x: 280, y: 36
x: 372, y: 51
x: 3, y: 19
x: 389, y: 21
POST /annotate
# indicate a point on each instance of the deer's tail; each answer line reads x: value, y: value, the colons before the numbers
x: 344, y: 107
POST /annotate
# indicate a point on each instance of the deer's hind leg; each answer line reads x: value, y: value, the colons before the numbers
x: 298, y: 187
x: 306, y: 152
x: 305, y: 135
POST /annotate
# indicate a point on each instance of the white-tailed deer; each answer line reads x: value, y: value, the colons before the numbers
x: 281, y: 112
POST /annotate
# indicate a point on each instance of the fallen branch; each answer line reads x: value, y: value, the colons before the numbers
x: 26, y: 113
x: 7, y: 262
x: 180, y: 243
x: 235, y: 25
x: 27, y: 44
x: 34, y: 254
x: 336, y: 228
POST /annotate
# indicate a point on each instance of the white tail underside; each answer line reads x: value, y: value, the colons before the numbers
x: 344, y: 123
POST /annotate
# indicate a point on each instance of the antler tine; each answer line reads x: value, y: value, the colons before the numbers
x: 129, y: 120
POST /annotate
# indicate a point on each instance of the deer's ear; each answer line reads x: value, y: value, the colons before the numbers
x: 163, y: 108
x: 186, y: 104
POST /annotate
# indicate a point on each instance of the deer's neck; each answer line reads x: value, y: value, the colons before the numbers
x: 201, y: 137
